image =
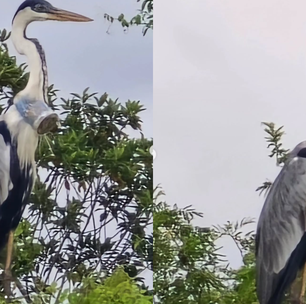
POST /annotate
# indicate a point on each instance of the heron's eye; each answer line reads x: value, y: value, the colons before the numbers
x: 38, y: 7
x: 302, y: 153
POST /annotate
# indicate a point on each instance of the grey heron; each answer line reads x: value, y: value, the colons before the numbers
x: 28, y: 117
x: 281, y: 231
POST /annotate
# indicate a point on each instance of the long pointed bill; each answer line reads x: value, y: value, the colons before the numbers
x: 62, y: 15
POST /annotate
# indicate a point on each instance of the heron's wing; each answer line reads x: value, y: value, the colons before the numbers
x: 280, y: 229
x: 5, y: 180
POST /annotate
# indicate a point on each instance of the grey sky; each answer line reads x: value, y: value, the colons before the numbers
x: 221, y: 68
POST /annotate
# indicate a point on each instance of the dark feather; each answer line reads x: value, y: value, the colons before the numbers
x: 12, y: 208
x: 289, y: 273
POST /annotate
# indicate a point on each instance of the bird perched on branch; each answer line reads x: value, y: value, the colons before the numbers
x: 281, y: 232
x: 28, y: 117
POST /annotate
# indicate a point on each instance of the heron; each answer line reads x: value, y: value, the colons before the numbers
x: 280, y: 240
x: 27, y: 118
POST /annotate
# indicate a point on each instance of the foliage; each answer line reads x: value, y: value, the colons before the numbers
x: 144, y: 18
x: 117, y: 289
x: 273, y: 138
x: 91, y: 208
x: 189, y: 266
x: 12, y: 77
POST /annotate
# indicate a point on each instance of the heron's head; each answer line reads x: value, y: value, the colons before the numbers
x: 41, y: 10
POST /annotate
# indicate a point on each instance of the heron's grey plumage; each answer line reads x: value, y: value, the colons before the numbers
x: 281, y: 224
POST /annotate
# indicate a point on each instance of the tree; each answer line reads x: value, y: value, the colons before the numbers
x: 93, y: 198
x: 117, y: 289
x: 144, y: 18
x: 188, y: 265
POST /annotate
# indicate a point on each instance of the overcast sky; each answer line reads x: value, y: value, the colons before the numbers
x: 220, y: 69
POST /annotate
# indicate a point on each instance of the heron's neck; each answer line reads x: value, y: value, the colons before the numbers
x: 37, y: 85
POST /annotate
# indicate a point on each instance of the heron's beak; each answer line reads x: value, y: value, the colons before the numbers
x: 62, y: 15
